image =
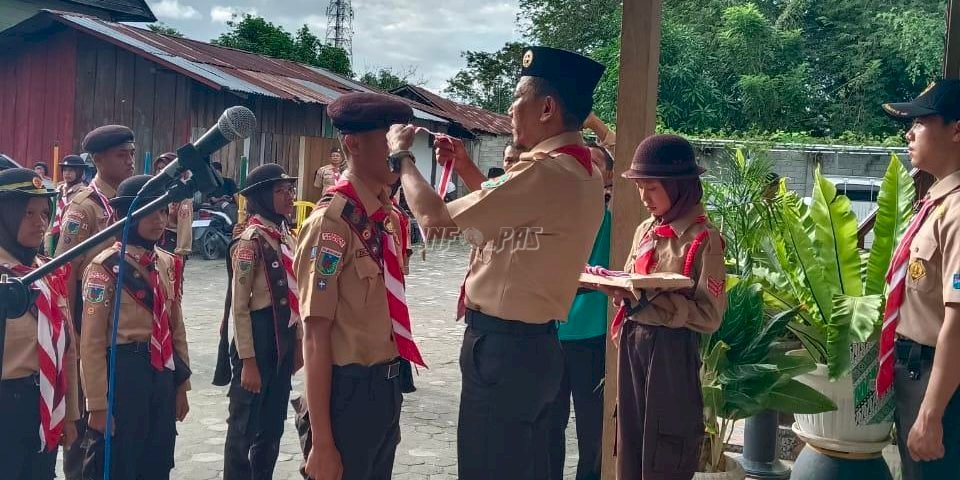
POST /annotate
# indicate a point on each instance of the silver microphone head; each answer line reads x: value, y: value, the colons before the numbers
x: 237, y: 122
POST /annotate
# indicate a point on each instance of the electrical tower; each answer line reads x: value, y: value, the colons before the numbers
x: 340, y: 25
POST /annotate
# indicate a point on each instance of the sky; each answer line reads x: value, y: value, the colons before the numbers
x: 427, y: 35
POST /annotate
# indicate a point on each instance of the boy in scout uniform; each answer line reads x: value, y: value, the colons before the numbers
x: 38, y: 391
x: 920, y: 340
x: 266, y: 351
x: 178, y: 236
x: 88, y: 213
x: 152, y: 363
x: 355, y: 327
x: 532, y: 230
x: 71, y: 169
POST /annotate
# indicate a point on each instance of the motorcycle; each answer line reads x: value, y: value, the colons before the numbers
x: 213, y: 229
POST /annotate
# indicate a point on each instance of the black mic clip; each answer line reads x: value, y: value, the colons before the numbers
x: 205, y: 179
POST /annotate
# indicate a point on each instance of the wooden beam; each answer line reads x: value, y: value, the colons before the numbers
x: 636, y: 120
x: 951, y: 55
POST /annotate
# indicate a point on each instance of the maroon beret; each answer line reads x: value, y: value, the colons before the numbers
x: 362, y: 112
x: 664, y: 156
x: 106, y: 137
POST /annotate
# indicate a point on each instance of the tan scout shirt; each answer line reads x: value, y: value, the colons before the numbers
x: 251, y: 289
x: 135, y: 324
x: 703, y: 310
x: 532, y: 230
x: 933, y: 271
x: 326, y: 177
x: 20, y: 347
x: 339, y: 280
x: 83, y: 219
x: 180, y: 220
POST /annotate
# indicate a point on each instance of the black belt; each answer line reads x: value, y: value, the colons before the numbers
x: 387, y: 371
x: 30, y: 382
x: 134, y: 347
x: 491, y: 324
x: 914, y: 356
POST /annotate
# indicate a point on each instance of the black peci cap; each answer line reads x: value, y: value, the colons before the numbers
x: 940, y: 98
x: 573, y: 75
x: 106, y: 137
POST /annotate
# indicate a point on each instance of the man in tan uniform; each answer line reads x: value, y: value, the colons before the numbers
x: 328, y: 175
x: 178, y: 236
x: 87, y: 214
x: 152, y: 362
x: 926, y: 344
x: 347, y: 253
x: 532, y: 230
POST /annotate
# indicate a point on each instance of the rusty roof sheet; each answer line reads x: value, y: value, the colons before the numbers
x: 471, y: 117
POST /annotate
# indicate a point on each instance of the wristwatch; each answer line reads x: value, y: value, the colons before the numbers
x: 396, y: 158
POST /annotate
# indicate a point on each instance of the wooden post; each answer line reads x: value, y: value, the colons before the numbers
x: 951, y: 54
x: 636, y: 120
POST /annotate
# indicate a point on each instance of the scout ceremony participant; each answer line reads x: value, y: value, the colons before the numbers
x: 532, y: 230
x: 920, y: 340
x: 266, y: 349
x: 38, y: 392
x: 356, y: 322
x: 328, y: 175
x: 88, y: 213
x: 658, y: 337
x: 178, y: 236
x: 152, y: 363
x: 71, y: 169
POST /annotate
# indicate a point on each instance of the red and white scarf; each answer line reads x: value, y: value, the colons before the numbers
x: 104, y: 201
x: 161, y: 339
x: 62, y: 203
x: 286, y: 257
x: 51, y: 348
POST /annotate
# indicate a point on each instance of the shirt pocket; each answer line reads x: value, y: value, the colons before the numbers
x: 369, y: 273
x: 923, y: 274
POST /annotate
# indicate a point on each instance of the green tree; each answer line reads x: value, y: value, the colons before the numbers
x: 388, y: 79
x: 489, y: 79
x: 575, y: 25
x: 257, y: 35
x: 164, y: 29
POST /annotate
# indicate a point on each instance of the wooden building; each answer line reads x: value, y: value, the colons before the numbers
x: 13, y: 12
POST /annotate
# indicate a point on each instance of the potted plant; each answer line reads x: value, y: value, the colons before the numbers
x: 743, y: 373
x: 837, y: 291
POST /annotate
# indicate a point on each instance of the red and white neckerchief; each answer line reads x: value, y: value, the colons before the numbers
x: 286, y: 257
x: 51, y: 347
x: 646, y: 261
x: 62, y: 203
x: 161, y: 340
x: 104, y: 201
x: 896, y: 287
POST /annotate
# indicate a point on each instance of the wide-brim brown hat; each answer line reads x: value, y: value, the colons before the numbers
x: 664, y: 157
x: 265, y: 175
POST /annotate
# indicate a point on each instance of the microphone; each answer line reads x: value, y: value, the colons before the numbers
x: 236, y: 123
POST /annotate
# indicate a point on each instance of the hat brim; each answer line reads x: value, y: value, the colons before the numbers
x: 907, y: 110
x: 258, y: 185
x: 144, y: 199
x: 633, y: 174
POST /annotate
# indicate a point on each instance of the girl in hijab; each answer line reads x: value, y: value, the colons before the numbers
x: 659, y: 404
x: 38, y: 391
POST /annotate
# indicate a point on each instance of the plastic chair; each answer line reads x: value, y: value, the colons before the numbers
x: 303, y: 210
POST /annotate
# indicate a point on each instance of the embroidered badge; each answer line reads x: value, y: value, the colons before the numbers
x: 99, y: 276
x: 313, y: 252
x: 916, y: 270
x: 91, y: 310
x: 496, y: 182
x: 716, y: 286
x: 388, y: 226
x: 184, y: 211
x: 366, y: 234
x: 362, y: 253
x: 940, y: 211
x: 244, y: 266
x: 321, y: 285
x: 328, y: 261
x: 95, y: 292
x: 72, y: 227
x: 246, y: 254
x: 956, y: 281
x: 335, y: 238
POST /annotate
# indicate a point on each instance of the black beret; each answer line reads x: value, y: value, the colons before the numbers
x: 573, y: 76
x: 106, y: 137
x: 662, y: 157
x: 128, y: 190
x: 362, y: 112
x: 264, y: 175
x: 23, y: 182
x: 73, y: 161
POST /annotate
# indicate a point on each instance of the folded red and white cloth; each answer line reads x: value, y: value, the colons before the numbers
x: 603, y: 272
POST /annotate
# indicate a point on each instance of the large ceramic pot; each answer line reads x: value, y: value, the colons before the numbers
x: 734, y: 471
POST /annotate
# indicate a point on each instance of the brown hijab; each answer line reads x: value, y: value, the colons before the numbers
x: 684, y: 193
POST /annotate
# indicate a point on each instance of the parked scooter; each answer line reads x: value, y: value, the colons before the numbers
x: 213, y: 229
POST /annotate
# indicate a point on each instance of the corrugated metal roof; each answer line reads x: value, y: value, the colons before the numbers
x: 471, y: 117
x: 230, y: 69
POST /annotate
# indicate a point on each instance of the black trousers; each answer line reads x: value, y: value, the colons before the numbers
x: 511, y: 375
x: 583, y: 370
x: 20, y: 432
x: 73, y: 456
x: 256, y: 420
x: 911, y: 375
x: 144, y: 413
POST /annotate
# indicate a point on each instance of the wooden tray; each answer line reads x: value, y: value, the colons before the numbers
x: 636, y: 282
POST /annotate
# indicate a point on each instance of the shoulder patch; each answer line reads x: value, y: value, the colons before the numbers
x: 328, y: 260
x: 496, y: 182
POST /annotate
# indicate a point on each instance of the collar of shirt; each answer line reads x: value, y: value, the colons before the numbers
x: 370, y: 200
x: 687, y: 220
x: 267, y: 223
x: 108, y: 190
x: 945, y: 185
x: 553, y: 143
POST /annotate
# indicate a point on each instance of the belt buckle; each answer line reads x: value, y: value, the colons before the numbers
x: 393, y: 370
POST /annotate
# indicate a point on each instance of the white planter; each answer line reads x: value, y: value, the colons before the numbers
x: 838, y: 430
x: 734, y: 471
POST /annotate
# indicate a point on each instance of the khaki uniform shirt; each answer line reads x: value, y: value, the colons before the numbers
x: 68, y: 197
x: 20, y: 347
x: 135, y: 324
x: 933, y: 271
x: 326, y: 177
x: 340, y: 281
x: 532, y: 230
x: 701, y: 309
x: 251, y: 289
x: 180, y: 220
x: 83, y: 219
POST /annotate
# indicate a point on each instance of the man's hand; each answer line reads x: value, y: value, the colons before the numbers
x: 400, y: 137
x: 183, y: 406
x: 250, y: 376
x: 323, y: 463
x: 451, y: 149
x: 925, y: 440
x: 69, y: 434
x: 98, y: 421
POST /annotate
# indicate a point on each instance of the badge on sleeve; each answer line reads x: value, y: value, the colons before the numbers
x: 496, y: 182
x: 335, y: 238
x: 94, y: 292
x: 245, y: 260
x: 956, y: 281
x: 328, y: 261
x: 716, y: 286
x: 72, y: 226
